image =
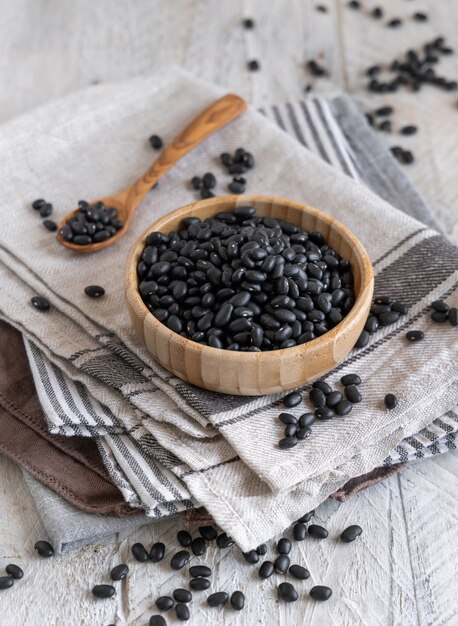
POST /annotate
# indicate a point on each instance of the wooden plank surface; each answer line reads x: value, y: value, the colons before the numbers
x: 404, y: 569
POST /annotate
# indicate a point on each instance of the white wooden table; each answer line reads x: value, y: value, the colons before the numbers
x: 404, y: 569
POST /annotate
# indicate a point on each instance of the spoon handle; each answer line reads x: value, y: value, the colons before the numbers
x: 214, y: 117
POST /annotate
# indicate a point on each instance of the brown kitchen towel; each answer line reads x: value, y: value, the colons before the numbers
x: 70, y: 466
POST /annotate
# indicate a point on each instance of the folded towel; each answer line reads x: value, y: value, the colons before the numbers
x: 94, y: 344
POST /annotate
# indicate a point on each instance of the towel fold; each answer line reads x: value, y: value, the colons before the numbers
x: 174, y: 445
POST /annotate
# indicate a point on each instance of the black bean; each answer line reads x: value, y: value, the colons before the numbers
x: 103, y: 591
x: 453, y: 316
x: 197, y: 182
x: 182, y: 612
x: 307, y: 517
x: 388, y: 318
x: 408, y: 130
x: 157, y: 552
x: 284, y: 546
x: 415, y: 335
x: 208, y: 532
x: 223, y: 541
x: 287, y: 442
x: 44, y: 549
x: 384, y: 111
x: 354, y: 4
x: 420, y: 17
x: 287, y: 418
x: 66, y: 233
x: 266, y: 570
x: 156, y: 142
x: 343, y: 407
x: 209, y: 180
x: 6, y: 582
x: 253, y: 65
x: 439, y: 317
x: 350, y: 379
x: 299, y: 531
x: 157, y: 620
x: 320, y: 593
x: 251, y: 556
x: 45, y: 210
x: 37, y: 204
x: 182, y: 595
x: 325, y: 413
x: 15, y: 571
x: 198, y: 546
x: 377, y: 13
x: 317, y: 532
x: 390, y: 401
x: 303, y: 433
x: 281, y: 563
x: 290, y: 430
x: 306, y: 419
x: 164, y: 603
x: 218, y: 598
x: 199, y: 584
x: 139, y: 553
x: 94, y: 291
x: 119, y: 572
x: 371, y: 324
x: 40, y: 303
x: 351, y: 533
x: 400, y: 308
x: 323, y: 386
x: 362, y: 340
x: 292, y: 399
x: 237, y: 600
x: 394, y: 23
x: 287, y: 593
x: 180, y: 559
x: 197, y: 571
x: 317, y: 398
x: 352, y: 393
x: 299, y: 572
x: 333, y: 398
x: 50, y: 225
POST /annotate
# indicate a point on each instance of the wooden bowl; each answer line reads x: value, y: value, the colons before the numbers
x: 254, y: 373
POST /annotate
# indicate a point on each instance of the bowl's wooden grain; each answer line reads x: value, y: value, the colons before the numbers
x: 254, y: 373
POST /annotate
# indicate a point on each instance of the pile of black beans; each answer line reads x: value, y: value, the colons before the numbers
x: 44, y: 209
x: 92, y: 223
x: 441, y: 313
x: 241, y: 282
x: 413, y: 70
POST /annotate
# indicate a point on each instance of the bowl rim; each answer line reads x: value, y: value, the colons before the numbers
x: 192, y: 209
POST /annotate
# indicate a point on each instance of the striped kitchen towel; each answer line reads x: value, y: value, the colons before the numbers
x: 217, y: 445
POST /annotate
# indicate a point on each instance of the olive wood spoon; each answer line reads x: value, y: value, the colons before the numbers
x: 214, y: 117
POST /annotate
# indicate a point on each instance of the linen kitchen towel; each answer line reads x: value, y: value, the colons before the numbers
x: 94, y: 344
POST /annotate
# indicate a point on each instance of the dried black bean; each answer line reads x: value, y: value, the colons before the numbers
x: 94, y: 291
x: 390, y: 401
x: 182, y: 612
x: 156, y: 142
x: 323, y: 386
x: 440, y: 306
x: 182, y: 595
x: 351, y: 533
x: 180, y: 559
x: 199, y: 584
x: 287, y: 418
x: 292, y: 399
x: 164, y: 603
x: 253, y: 65
x: 281, y: 563
x: 290, y: 430
x: 45, y: 210
x: 299, y: 531
x: 320, y: 593
x: 224, y: 541
x: 50, y: 225
x: 420, y: 17
x: 287, y: 593
x: 237, y: 600
x: 44, y: 549
x: 325, y: 413
x: 284, y: 546
x: 6, y: 582
x: 197, y: 571
x: 218, y: 598
x: 198, y: 546
x: 139, y: 553
x: 377, y: 13
x: 208, y: 532
x: 343, y: 407
x: 41, y: 303
x: 333, y: 398
x: 15, y: 571
x: 317, y: 398
x: 299, y: 572
x: 103, y: 591
x: 350, y: 379
x: 157, y: 620
x: 439, y: 317
x: 303, y: 433
x: 248, y: 23
x: 119, y: 572
x: 251, y: 556
x: 394, y: 23
x: 262, y: 549
x: 352, y: 393
x: 317, y: 532
x: 415, y: 335
x: 266, y: 570
x: 388, y: 318
x: 287, y: 442
x: 453, y: 316
x: 306, y: 419
x: 157, y: 552
x: 400, y: 308
x: 37, y: 204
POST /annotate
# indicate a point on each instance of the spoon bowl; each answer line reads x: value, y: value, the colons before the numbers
x: 214, y: 117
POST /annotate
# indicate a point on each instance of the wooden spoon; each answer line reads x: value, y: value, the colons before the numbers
x: 214, y: 117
